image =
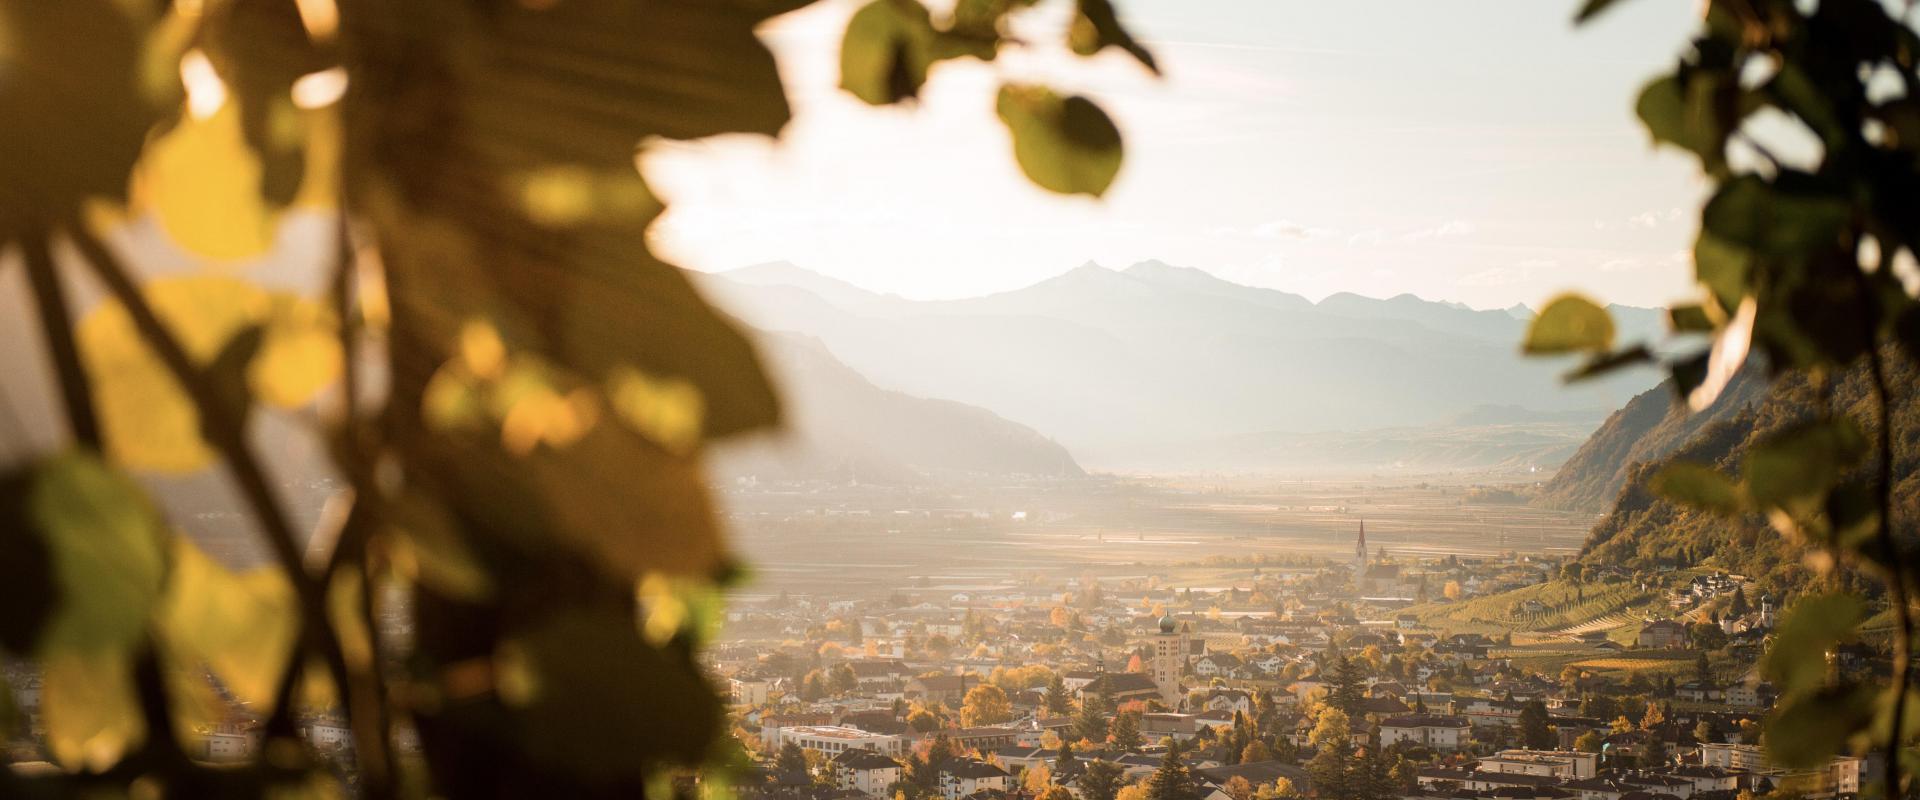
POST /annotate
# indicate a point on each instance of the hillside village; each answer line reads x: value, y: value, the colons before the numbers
x: 1373, y: 678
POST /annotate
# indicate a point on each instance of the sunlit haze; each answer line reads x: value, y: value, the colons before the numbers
x: 1314, y: 147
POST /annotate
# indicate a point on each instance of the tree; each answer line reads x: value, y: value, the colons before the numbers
x: 1238, y: 788
x: 1654, y: 718
x: 1280, y: 789
x: 1100, y: 780
x: 1255, y: 751
x: 1171, y: 780
x: 790, y: 759
x: 814, y: 686
x: 1738, y: 607
x: 986, y: 704
x: 1535, y: 732
x: 1589, y: 742
x: 1702, y: 668
x: 1706, y: 636
x: 1064, y: 763
x: 1344, y: 689
x: 1451, y: 590
x: 1125, y: 731
x: 1132, y: 791
x: 841, y: 680
x: 922, y: 720
x: 1091, y: 723
x: 1653, y: 754
x: 1056, y: 792
x: 1057, y: 699
x: 1705, y: 733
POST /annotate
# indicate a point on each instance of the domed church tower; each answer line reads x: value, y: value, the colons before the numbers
x: 1169, y: 659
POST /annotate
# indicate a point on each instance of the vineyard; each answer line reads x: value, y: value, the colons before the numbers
x: 1556, y: 607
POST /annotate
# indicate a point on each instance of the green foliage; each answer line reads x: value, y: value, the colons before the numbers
x: 1795, y: 261
x: 516, y: 389
x: 1066, y: 144
x: 1568, y: 324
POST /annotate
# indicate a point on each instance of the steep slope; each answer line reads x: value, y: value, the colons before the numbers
x: 1120, y: 364
x: 1647, y: 429
x: 840, y: 427
x: 1646, y: 532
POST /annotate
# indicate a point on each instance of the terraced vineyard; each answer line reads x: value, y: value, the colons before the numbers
x: 1554, y: 608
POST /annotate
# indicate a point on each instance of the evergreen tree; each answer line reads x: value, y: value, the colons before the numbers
x: 1100, y: 780
x: 1344, y: 690
x: 790, y: 759
x: 1738, y: 607
x: 1065, y: 763
x: 1172, y: 781
x: 1091, y: 723
x: 1125, y: 731
x: 1535, y: 733
x: 1058, y: 700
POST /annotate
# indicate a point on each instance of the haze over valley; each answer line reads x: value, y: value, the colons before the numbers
x: 1157, y: 368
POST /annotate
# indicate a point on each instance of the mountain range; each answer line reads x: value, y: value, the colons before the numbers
x: 1164, y: 367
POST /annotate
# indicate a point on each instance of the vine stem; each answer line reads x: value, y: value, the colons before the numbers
x: 57, y: 321
x: 1896, y: 579
x: 76, y: 393
x: 225, y: 429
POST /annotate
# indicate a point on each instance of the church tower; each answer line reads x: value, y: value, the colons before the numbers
x: 1169, y: 660
x: 1360, y: 557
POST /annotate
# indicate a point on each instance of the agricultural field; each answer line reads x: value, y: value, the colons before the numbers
x: 875, y: 539
x: 1564, y: 610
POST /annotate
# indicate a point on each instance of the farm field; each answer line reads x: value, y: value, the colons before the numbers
x: 873, y: 539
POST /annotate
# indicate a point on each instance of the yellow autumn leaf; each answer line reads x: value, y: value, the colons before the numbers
x: 240, y: 625
x: 202, y: 182
x: 299, y: 355
x: 89, y: 708
x: 670, y: 411
x: 149, y: 421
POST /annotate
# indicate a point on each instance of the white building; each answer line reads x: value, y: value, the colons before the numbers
x: 964, y: 776
x: 1562, y: 764
x: 835, y: 739
x: 865, y: 771
x: 1435, y: 731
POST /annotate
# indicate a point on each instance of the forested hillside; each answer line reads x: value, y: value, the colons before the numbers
x: 1645, y: 531
x: 1649, y: 428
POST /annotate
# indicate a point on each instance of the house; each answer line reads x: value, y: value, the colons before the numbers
x: 865, y: 771
x: 1213, y: 664
x: 1697, y: 692
x: 749, y: 690
x: 1435, y: 731
x: 1665, y: 634
x: 1228, y: 700
x: 1120, y: 687
x: 1754, y: 695
x: 874, y: 674
x: 961, y: 777
x: 948, y: 689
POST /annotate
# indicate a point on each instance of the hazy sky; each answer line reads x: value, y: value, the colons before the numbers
x: 1483, y: 151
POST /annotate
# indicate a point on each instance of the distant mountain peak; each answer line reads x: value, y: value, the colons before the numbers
x: 1519, y: 311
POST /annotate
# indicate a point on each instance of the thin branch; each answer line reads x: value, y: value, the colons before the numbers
x: 1896, y: 578
x: 57, y: 321
x: 225, y: 429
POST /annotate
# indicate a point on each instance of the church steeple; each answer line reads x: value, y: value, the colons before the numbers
x: 1360, y: 556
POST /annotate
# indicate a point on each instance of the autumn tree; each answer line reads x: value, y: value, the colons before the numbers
x: 1100, y: 780
x: 986, y: 704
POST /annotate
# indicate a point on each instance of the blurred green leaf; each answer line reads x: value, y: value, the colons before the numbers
x: 602, y: 691
x: 1749, y: 212
x: 1682, y: 111
x: 1800, y: 463
x: 1095, y: 27
x: 1591, y: 9
x: 431, y: 550
x: 886, y: 51
x: 1807, y: 730
x: 1699, y: 486
x: 1797, y: 659
x: 1064, y: 144
x: 108, y: 553
x: 1607, y: 363
x: 1689, y: 318
x: 1570, y: 323
x: 1722, y: 267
